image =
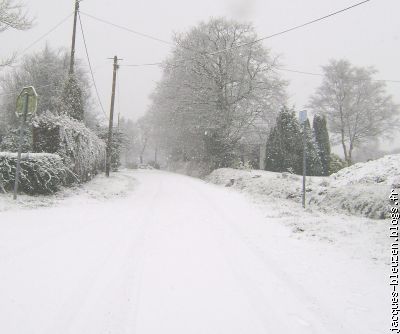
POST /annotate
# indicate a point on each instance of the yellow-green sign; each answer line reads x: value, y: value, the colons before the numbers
x: 27, y: 94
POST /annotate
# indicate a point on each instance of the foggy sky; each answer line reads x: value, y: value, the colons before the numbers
x: 366, y: 36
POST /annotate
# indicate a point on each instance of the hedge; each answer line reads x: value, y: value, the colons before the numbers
x: 41, y: 173
x: 81, y: 150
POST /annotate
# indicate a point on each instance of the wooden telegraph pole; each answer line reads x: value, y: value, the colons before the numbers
x: 110, y: 125
x: 72, y: 58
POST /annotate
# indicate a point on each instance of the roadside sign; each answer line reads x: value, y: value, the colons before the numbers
x: 32, y: 102
x: 302, y: 116
x: 26, y: 106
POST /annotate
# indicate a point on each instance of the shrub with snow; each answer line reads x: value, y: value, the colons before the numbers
x: 362, y: 189
x: 41, y: 173
x: 384, y: 171
x: 81, y: 149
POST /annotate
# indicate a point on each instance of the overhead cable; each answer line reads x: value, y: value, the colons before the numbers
x: 90, y: 66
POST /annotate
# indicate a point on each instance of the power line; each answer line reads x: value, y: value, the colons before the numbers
x: 46, y: 34
x: 296, y: 27
x: 90, y: 66
x: 275, y: 69
x: 257, y: 40
x: 236, y: 46
x: 129, y: 30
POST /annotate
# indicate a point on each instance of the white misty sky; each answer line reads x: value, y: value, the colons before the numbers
x: 367, y: 35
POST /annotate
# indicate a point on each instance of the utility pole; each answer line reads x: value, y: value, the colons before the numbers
x: 110, y: 125
x: 72, y: 58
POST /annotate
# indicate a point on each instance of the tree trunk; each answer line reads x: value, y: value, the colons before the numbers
x: 263, y: 151
x: 349, y: 156
x: 346, y: 157
x: 142, y: 152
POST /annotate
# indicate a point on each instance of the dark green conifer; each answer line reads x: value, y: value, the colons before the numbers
x: 322, y: 139
x: 284, y: 146
x: 314, y: 165
x: 71, y: 99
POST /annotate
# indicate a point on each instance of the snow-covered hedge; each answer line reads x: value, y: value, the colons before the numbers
x: 41, y: 173
x: 81, y: 149
x: 384, y: 171
x: 362, y: 189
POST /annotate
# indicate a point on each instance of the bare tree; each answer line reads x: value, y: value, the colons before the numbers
x: 357, y: 106
x: 213, y: 91
x: 13, y: 15
x: 47, y: 71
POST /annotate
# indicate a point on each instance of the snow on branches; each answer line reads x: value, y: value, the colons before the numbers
x: 80, y: 148
x: 41, y: 173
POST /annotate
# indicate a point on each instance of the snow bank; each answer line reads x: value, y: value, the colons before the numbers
x: 99, y: 189
x: 362, y: 189
x: 384, y: 171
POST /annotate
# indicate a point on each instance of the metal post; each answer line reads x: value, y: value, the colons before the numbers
x: 21, y: 138
x: 304, y: 164
x: 72, y: 58
x: 263, y: 152
x: 110, y: 125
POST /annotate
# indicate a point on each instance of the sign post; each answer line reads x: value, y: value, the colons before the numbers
x: 26, y: 106
x: 303, y: 119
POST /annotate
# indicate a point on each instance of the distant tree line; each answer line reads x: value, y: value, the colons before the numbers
x: 218, y: 102
x: 220, y: 98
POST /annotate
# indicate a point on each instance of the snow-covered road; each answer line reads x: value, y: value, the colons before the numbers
x: 177, y: 256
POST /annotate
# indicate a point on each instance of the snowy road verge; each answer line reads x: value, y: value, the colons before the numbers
x: 119, y: 184
x: 362, y: 189
x: 279, y: 197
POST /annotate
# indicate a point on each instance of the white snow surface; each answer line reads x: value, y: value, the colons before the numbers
x: 385, y: 171
x: 165, y: 253
x: 362, y: 189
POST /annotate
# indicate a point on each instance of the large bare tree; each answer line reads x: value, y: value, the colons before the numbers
x: 13, y: 15
x: 46, y: 70
x: 214, y: 90
x: 356, y: 105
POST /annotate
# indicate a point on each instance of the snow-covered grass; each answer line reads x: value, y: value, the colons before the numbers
x: 279, y: 197
x: 334, y: 204
x: 362, y: 189
x: 99, y: 188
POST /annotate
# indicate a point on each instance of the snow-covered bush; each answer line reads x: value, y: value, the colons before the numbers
x: 239, y: 164
x: 10, y: 142
x: 41, y: 173
x: 362, y: 189
x: 116, y: 145
x: 336, y: 164
x: 81, y: 150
